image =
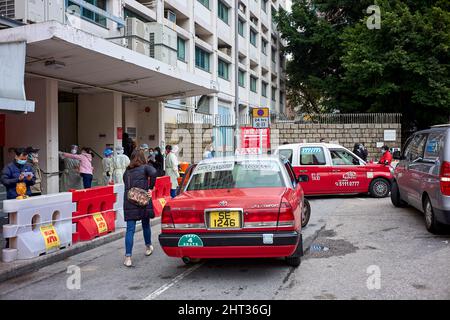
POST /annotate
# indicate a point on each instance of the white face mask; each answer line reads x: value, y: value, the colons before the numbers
x: 73, y: 151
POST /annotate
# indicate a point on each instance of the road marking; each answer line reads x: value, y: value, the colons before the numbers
x: 362, y: 199
x: 167, y: 286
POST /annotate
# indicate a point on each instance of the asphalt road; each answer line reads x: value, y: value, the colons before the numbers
x: 363, y: 248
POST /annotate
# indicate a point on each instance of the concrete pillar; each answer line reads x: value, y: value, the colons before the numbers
x: 38, y: 129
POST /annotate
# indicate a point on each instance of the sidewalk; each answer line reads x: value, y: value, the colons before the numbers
x: 20, y: 267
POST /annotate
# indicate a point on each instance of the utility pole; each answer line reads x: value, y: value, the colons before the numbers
x: 236, y: 75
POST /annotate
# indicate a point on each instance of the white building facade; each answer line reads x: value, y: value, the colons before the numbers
x: 97, y: 68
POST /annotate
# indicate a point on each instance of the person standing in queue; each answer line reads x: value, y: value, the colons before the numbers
x: 33, y: 161
x: 120, y: 164
x: 158, y: 164
x: 386, y: 157
x: 71, y: 178
x: 138, y: 175
x: 108, y: 168
x: 172, y: 170
x: 18, y: 174
x: 86, y: 168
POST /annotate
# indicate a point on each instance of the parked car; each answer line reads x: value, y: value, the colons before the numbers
x: 422, y: 177
x: 327, y: 169
x: 235, y: 207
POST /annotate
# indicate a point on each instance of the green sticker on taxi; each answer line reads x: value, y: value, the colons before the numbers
x: 190, y: 240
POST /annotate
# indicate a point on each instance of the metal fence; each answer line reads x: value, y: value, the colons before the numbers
x: 342, y: 118
x: 217, y: 120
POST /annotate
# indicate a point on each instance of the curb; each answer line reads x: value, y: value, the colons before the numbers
x: 21, y: 267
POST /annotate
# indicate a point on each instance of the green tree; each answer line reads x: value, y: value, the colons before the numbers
x: 401, y: 67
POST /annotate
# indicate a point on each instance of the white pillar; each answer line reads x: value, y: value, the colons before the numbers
x: 51, y: 183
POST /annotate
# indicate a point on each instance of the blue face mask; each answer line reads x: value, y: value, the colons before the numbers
x: 21, y: 162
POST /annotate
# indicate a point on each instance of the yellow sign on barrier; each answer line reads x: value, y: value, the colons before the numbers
x: 50, y: 236
x: 101, y: 223
x: 162, y: 201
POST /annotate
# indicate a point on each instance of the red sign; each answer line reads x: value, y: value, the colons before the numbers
x: 119, y: 133
x: 250, y: 138
x: 2, y: 130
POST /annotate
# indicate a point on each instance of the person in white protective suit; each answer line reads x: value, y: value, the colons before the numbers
x: 108, y: 168
x: 172, y: 168
x: 120, y: 164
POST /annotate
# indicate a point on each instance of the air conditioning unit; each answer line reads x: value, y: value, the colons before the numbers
x: 163, y: 35
x: 33, y: 10
x: 138, y: 45
x: 136, y: 28
x: 170, y: 15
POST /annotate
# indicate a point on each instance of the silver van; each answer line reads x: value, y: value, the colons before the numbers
x: 422, y: 176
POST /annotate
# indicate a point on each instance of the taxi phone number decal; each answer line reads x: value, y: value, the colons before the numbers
x: 50, y: 236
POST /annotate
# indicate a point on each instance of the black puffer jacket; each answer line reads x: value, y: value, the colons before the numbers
x: 140, y: 177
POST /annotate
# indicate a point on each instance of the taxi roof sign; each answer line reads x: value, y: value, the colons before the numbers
x: 260, y: 112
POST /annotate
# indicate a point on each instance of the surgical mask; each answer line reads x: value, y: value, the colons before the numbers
x: 151, y: 153
x: 73, y: 151
x: 156, y: 153
x: 21, y: 162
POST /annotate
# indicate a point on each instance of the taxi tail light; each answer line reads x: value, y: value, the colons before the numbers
x: 286, y: 217
x: 166, y: 219
x: 445, y: 178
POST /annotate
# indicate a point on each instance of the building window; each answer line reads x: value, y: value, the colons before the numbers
x: 89, y: 15
x: 222, y: 69
x: 274, y: 94
x: 204, y: 2
x: 253, y: 37
x: 222, y: 12
x: 131, y: 14
x: 253, y: 82
x: 242, y: 7
x: 264, y: 5
x: 264, y: 89
x: 241, y: 79
x: 281, y: 97
x: 202, y: 59
x: 264, y: 46
x: 241, y: 28
x: 274, y: 55
x: 181, y: 49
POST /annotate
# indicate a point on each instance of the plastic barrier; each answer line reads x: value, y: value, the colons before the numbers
x: 37, y: 225
x: 161, y: 194
x: 94, y: 215
x: 119, y: 190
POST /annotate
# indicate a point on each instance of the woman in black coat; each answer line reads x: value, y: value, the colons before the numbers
x: 138, y: 175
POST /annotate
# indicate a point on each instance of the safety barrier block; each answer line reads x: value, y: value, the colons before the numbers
x: 37, y: 225
x: 161, y: 194
x: 119, y: 190
x: 94, y: 215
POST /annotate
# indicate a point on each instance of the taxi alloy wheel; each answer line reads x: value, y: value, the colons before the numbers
x: 379, y: 188
x: 306, y: 213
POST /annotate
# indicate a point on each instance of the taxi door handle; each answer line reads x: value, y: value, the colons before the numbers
x: 302, y: 171
x: 336, y: 170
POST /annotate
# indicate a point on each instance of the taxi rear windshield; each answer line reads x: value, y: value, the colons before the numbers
x: 230, y: 175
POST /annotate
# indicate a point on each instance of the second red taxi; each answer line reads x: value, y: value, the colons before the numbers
x: 327, y: 169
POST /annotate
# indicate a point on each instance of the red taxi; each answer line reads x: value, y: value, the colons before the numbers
x: 326, y: 169
x: 236, y: 207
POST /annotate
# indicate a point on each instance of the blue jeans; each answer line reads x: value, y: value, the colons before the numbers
x: 87, y: 180
x: 173, y: 193
x: 129, y: 236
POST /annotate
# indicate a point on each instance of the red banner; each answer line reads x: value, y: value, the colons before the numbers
x: 250, y: 138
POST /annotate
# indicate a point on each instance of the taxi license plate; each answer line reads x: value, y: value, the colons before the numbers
x: 224, y: 219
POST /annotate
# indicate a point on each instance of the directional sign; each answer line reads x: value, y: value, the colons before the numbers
x: 260, y: 118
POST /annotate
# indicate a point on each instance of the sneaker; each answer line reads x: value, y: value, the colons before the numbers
x: 149, y: 250
x: 127, y: 262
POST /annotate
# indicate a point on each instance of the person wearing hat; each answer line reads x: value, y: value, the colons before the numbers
x: 17, y: 174
x: 120, y: 164
x: 33, y: 161
x: 108, y: 167
x: 144, y: 147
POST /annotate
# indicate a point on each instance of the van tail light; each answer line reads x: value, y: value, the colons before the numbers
x: 166, y: 219
x: 445, y: 178
x: 286, y: 217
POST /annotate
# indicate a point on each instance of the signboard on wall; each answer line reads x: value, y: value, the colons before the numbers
x: 250, y: 138
x: 389, y: 135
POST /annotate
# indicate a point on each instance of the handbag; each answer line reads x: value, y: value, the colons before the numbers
x: 138, y: 196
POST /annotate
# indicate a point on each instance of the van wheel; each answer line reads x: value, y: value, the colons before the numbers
x: 379, y: 188
x: 395, y: 196
x: 431, y: 223
x: 306, y: 214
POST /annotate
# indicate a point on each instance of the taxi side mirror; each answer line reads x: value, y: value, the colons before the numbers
x: 303, y: 178
x: 397, y: 155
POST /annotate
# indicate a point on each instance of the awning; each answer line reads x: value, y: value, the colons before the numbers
x: 68, y: 54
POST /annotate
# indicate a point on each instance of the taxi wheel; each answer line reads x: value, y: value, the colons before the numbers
x: 189, y: 261
x: 379, y: 188
x: 306, y: 214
